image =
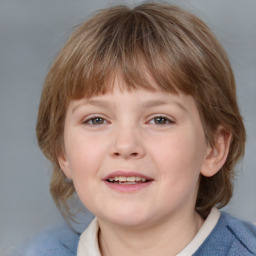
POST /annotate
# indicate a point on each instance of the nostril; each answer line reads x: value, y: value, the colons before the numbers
x: 117, y: 154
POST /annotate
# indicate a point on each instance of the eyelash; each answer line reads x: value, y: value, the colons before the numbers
x: 164, y: 118
x: 91, y: 120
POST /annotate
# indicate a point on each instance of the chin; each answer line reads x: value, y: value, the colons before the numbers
x: 131, y: 222
x: 132, y: 218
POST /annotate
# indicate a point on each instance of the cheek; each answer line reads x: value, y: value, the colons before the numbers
x: 180, y: 158
x: 83, y: 154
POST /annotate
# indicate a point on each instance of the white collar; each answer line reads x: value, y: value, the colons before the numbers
x: 202, y: 234
x: 88, y: 243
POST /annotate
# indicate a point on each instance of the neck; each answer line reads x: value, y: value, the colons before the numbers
x: 166, y: 238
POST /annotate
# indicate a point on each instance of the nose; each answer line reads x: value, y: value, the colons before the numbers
x: 127, y: 144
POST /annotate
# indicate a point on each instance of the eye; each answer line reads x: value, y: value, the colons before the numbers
x: 95, y: 121
x: 160, y: 120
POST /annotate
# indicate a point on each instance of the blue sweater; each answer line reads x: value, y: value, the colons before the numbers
x: 230, y: 237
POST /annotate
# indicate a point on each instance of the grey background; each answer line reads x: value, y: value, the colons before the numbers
x: 31, y: 33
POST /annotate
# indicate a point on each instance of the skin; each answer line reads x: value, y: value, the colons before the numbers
x: 153, y: 133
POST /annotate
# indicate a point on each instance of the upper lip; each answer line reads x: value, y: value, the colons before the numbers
x: 126, y: 174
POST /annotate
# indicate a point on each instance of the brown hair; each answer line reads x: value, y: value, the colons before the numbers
x: 176, y: 49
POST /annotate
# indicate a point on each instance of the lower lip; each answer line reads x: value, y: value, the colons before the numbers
x: 129, y: 187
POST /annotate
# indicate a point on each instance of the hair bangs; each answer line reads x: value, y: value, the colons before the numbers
x: 132, y: 48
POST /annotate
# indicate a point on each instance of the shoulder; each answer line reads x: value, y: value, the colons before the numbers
x: 230, y: 237
x: 244, y: 233
x: 56, y: 242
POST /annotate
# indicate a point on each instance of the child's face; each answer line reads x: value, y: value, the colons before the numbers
x: 142, y: 134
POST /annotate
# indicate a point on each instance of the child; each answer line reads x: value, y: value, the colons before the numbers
x: 139, y: 117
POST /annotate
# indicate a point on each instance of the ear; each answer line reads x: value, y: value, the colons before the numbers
x: 64, y: 165
x: 216, y: 155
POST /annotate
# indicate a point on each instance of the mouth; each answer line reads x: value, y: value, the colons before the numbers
x: 131, y: 180
x: 127, y: 181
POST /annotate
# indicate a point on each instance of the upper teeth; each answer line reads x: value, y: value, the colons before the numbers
x: 124, y: 179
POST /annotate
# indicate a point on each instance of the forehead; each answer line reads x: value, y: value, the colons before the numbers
x: 119, y: 81
x: 137, y: 98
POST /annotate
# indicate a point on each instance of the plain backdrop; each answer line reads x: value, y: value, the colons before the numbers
x: 31, y: 33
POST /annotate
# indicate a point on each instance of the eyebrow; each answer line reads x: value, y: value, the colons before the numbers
x: 156, y: 103
x: 97, y: 103
x: 146, y: 104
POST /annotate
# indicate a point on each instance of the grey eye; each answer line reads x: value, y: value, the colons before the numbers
x: 95, y: 121
x: 161, y: 120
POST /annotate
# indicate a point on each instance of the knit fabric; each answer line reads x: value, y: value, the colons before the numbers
x: 57, y: 242
x: 230, y: 237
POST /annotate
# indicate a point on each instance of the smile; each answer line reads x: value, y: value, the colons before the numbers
x: 127, y: 180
